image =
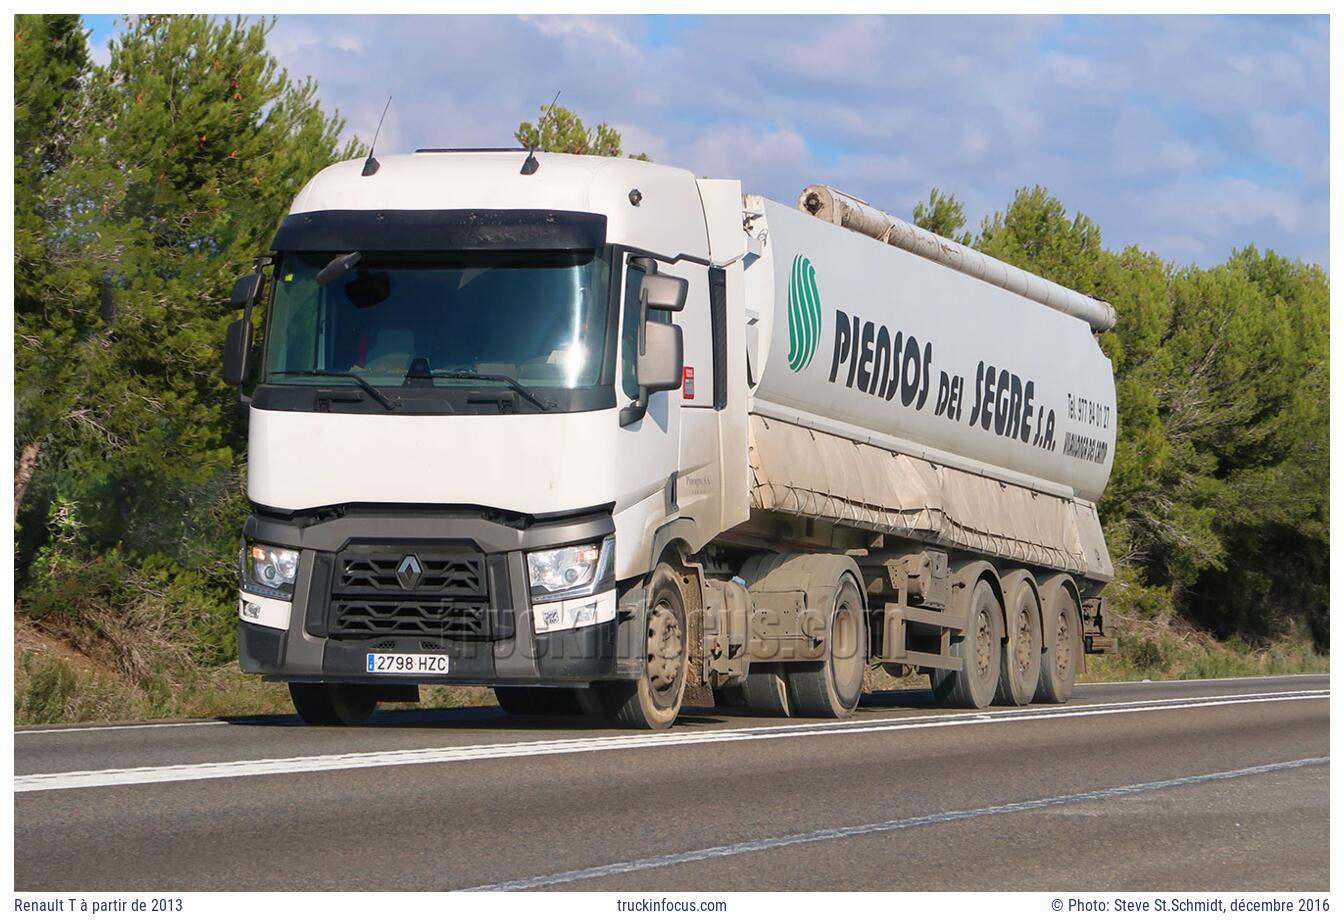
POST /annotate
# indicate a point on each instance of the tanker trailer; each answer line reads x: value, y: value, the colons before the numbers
x: 947, y: 423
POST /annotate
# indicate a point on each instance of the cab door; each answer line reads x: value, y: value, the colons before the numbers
x: 647, y: 450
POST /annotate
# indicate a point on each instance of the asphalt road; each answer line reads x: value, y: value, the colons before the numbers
x: 1175, y: 786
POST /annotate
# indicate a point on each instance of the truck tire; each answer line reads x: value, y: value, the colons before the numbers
x: 587, y: 701
x: 1063, y: 645
x: 519, y: 701
x: 766, y: 692
x: 1020, y: 669
x: 333, y: 704
x: 653, y: 700
x: 830, y: 689
x: 542, y: 701
x: 980, y: 651
x: 730, y: 697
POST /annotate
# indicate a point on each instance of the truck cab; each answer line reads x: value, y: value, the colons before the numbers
x: 487, y: 402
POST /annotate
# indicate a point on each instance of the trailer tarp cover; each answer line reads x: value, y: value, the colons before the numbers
x: 801, y: 471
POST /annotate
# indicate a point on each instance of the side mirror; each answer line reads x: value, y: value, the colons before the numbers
x: 659, y: 367
x: 245, y: 291
x: 237, y: 347
x: 664, y: 292
x: 659, y: 359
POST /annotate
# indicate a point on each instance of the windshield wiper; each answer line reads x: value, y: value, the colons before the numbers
x: 338, y: 266
x: 363, y: 384
x: 543, y: 404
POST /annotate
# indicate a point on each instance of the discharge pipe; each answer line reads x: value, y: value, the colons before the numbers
x: 856, y: 214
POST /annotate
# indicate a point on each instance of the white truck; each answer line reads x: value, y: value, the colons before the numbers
x: 594, y: 431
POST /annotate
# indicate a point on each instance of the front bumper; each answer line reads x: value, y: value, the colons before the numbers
x: 476, y: 608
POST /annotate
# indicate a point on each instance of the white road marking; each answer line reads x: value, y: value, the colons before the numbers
x: 19, y: 733
x: 1083, y: 682
x: 36, y: 782
x: 840, y: 833
x: 199, y: 723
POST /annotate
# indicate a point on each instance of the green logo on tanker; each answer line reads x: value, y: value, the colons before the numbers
x: 804, y: 314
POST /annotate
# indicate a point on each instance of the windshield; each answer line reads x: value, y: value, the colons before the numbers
x: 538, y: 319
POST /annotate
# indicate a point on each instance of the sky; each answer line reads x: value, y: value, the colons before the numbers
x: 1185, y: 135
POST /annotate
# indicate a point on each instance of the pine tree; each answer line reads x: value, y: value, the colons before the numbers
x: 560, y: 130
x: 943, y: 215
x: 1219, y: 493
x: 189, y: 146
x: 51, y: 66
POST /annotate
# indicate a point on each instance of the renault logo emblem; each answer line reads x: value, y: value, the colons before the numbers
x: 409, y: 572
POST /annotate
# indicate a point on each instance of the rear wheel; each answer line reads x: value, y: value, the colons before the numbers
x: 654, y: 700
x: 730, y: 697
x: 333, y: 704
x: 1063, y: 647
x: 766, y: 692
x: 831, y: 688
x: 1020, y: 669
x: 980, y: 652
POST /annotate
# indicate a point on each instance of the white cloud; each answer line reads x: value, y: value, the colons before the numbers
x: 1173, y: 129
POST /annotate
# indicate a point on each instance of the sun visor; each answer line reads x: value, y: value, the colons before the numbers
x: 440, y: 231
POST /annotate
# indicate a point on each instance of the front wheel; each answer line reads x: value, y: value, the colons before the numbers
x: 333, y: 704
x: 653, y: 700
x: 546, y: 701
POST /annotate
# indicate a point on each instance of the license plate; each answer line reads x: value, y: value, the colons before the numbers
x: 393, y: 663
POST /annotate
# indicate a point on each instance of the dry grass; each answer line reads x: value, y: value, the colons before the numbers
x: 1150, y: 651
x: 55, y: 682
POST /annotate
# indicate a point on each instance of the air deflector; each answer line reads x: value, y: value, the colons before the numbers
x: 440, y: 231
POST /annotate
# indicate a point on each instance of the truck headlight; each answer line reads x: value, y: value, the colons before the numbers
x: 269, y: 570
x: 570, y: 571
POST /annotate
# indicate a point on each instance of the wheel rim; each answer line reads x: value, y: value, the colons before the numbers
x: 664, y: 651
x: 847, y: 665
x: 1022, y: 657
x: 984, y: 644
x: 1063, y: 644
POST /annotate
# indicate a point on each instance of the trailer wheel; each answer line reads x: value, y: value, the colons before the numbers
x: 1020, y: 669
x: 766, y: 692
x: 980, y: 652
x: 1063, y: 647
x: 332, y: 704
x: 831, y: 688
x: 654, y: 700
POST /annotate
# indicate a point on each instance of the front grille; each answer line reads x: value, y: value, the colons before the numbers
x: 363, y: 619
x: 445, y: 574
x: 447, y: 593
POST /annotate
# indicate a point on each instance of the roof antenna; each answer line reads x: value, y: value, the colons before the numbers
x: 371, y: 165
x: 530, y: 164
